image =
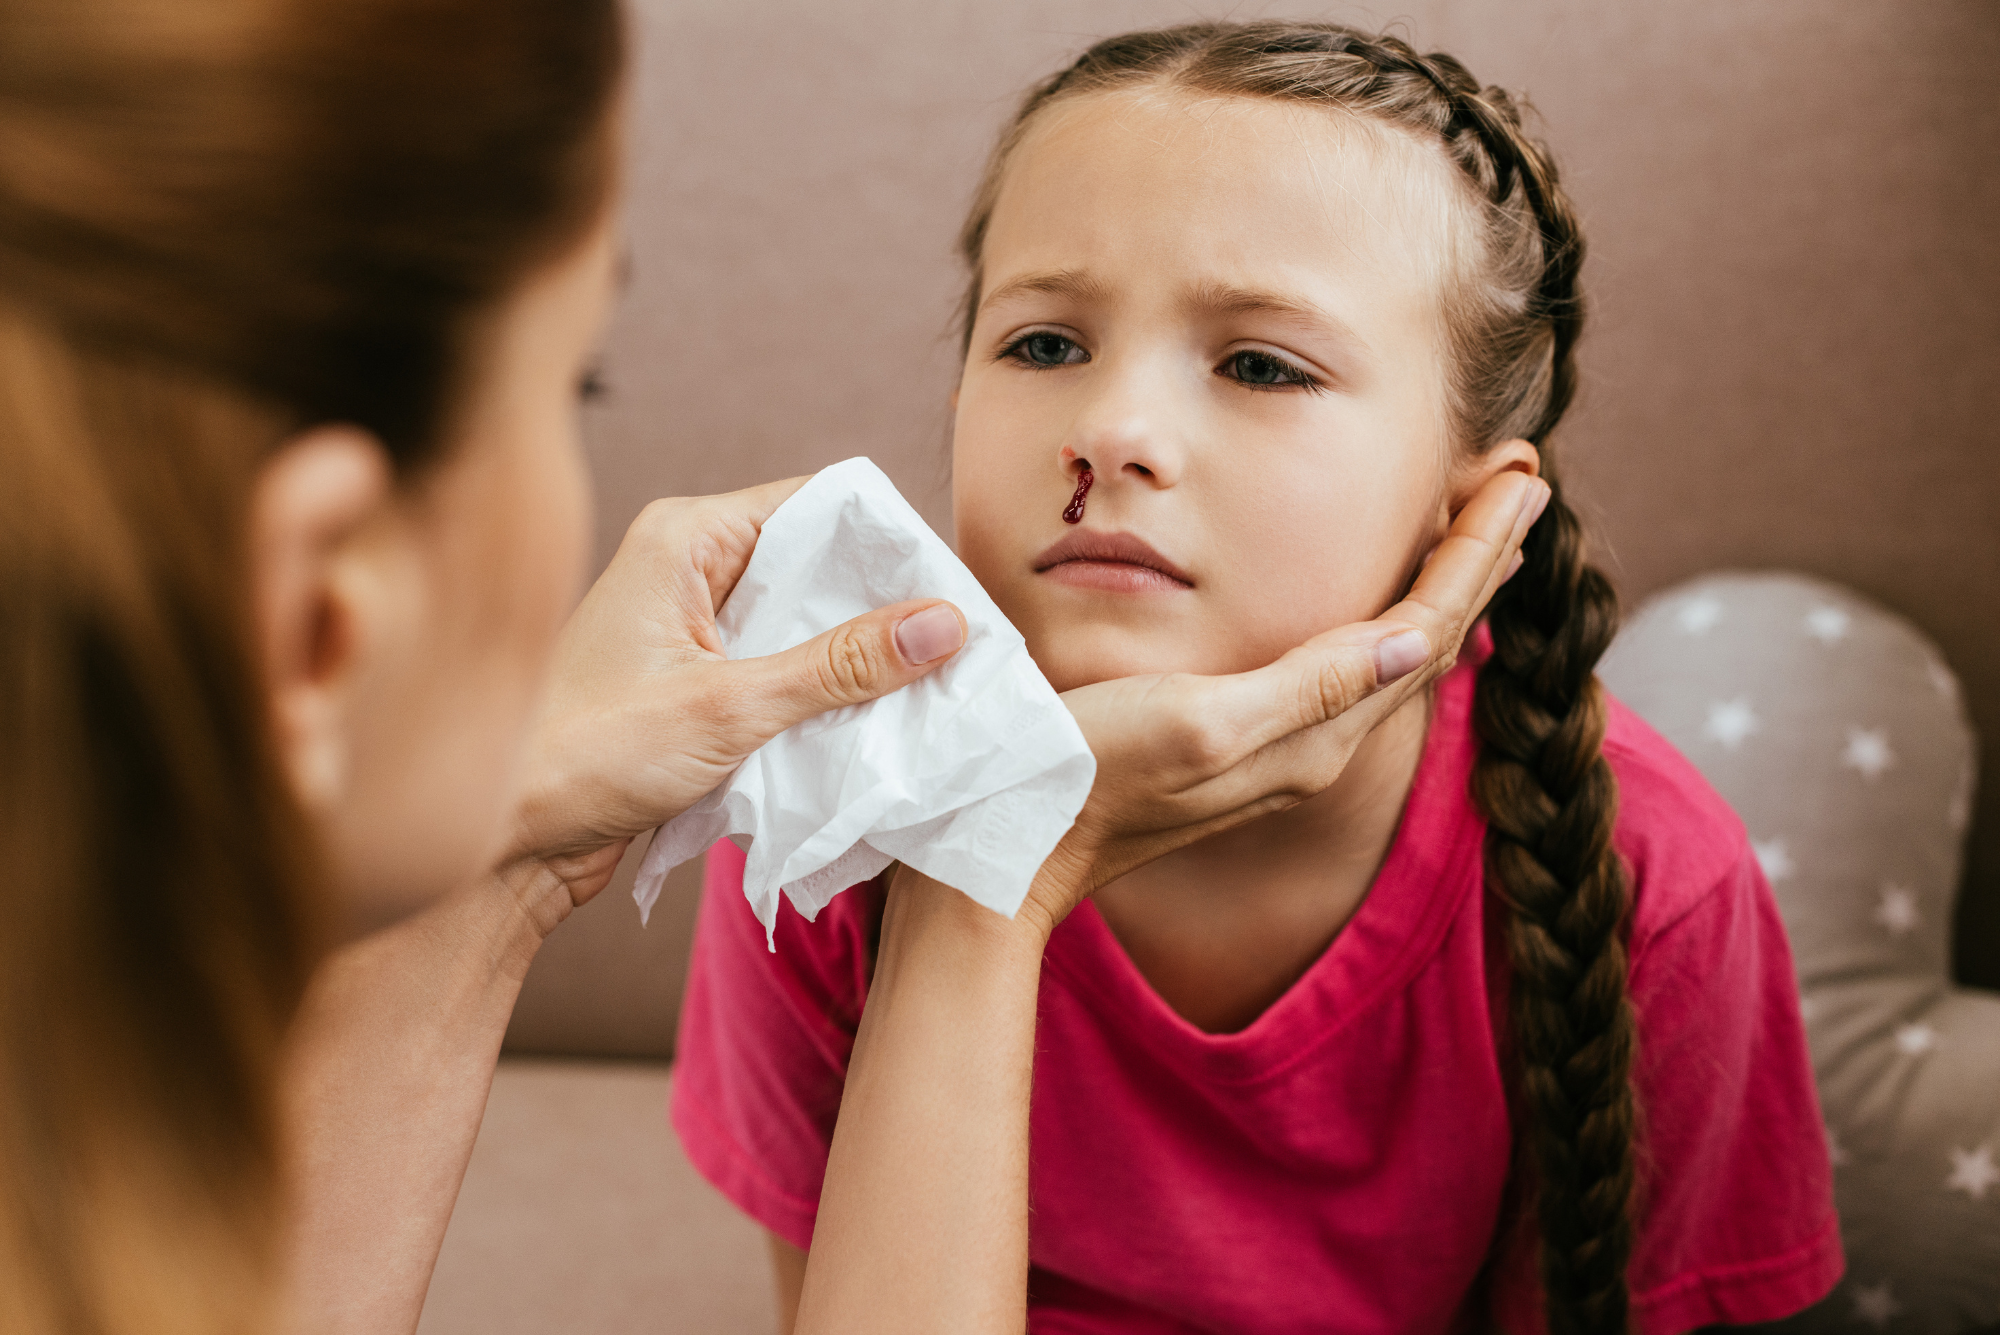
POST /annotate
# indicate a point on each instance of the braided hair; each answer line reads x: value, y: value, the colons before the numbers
x: 1513, y: 313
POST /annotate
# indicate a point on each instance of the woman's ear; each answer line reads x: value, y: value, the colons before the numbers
x: 311, y: 508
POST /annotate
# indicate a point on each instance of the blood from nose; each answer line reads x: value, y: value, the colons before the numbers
x: 1073, y: 512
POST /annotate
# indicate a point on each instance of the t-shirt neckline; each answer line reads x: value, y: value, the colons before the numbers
x: 1432, y: 862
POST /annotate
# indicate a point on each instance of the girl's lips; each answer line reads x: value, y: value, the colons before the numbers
x: 1114, y: 562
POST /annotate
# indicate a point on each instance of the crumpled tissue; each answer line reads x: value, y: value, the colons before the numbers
x: 970, y: 775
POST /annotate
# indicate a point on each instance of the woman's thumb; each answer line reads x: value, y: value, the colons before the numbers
x: 853, y: 663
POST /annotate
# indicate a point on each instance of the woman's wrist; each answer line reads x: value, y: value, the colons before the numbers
x: 498, y: 923
x: 923, y: 915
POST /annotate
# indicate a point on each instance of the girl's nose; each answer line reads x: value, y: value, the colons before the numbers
x: 1122, y: 445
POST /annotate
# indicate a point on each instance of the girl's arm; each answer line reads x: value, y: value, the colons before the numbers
x: 923, y: 1219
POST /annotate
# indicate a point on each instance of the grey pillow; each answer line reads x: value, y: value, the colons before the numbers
x: 1838, y: 734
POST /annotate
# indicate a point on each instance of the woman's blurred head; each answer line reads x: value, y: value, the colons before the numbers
x: 295, y: 296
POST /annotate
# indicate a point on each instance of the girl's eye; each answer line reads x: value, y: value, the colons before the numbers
x: 1261, y: 370
x: 1046, y: 349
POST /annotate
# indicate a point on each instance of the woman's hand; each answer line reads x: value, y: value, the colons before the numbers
x: 1180, y: 757
x: 645, y: 715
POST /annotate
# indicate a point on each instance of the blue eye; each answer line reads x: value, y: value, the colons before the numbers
x: 1261, y: 370
x: 1046, y: 349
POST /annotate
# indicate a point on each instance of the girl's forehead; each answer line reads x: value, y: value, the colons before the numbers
x: 1137, y: 178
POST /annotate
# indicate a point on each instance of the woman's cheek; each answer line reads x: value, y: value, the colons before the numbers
x: 568, y: 502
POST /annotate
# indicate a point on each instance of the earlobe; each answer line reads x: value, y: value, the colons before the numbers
x: 312, y: 502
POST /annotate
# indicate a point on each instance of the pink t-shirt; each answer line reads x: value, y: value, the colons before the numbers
x: 1342, y: 1163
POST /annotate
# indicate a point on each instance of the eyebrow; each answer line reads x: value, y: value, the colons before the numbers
x: 1074, y: 284
x: 1225, y: 299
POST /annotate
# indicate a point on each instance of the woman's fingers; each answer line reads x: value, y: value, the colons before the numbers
x: 1474, y: 559
x: 870, y: 656
x: 718, y: 534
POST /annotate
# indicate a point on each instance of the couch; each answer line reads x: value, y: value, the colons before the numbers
x: 1795, y: 278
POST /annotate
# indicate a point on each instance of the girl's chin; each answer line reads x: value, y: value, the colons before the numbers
x: 1068, y: 667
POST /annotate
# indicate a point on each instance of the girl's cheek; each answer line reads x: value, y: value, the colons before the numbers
x: 992, y: 476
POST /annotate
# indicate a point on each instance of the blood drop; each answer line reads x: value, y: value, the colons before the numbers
x: 1074, y: 513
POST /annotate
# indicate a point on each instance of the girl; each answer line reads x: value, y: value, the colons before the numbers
x: 1500, y: 1027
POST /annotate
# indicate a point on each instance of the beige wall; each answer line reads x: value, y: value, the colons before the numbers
x: 1795, y: 271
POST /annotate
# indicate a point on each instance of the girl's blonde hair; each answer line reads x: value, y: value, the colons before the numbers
x: 1512, y: 318
x: 220, y: 222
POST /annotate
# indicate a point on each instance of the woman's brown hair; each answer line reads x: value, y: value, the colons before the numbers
x: 220, y: 222
x: 1512, y: 319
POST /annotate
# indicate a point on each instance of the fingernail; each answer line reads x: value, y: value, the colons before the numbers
x: 1538, y: 501
x: 1512, y: 567
x: 931, y: 633
x: 1400, y: 655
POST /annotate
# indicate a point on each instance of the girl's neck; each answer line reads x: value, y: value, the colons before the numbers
x: 1223, y: 927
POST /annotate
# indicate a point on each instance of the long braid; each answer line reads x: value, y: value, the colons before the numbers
x: 1548, y: 794
x: 1549, y: 798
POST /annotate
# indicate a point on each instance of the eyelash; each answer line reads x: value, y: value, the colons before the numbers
x: 1017, y: 351
x: 1300, y: 378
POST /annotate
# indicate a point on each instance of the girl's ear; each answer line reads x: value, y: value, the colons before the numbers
x: 312, y: 507
x: 1471, y: 473
x: 1474, y: 472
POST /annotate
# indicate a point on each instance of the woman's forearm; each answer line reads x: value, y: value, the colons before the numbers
x: 923, y: 1221
x: 390, y: 1064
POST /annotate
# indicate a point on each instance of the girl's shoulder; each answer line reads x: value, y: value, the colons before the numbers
x: 1682, y: 841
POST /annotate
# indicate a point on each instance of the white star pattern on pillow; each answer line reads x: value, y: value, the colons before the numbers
x: 1898, y: 910
x: 1828, y: 624
x: 1698, y: 615
x: 1914, y: 1040
x: 1876, y: 1304
x: 1868, y: 751
x: 1972, y: 1172
x: 1774, y: 858
x: 1730, y: 721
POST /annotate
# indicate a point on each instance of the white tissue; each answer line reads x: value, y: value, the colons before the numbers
x: 970, y: 775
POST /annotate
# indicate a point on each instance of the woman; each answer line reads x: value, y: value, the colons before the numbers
x: 295, y: 298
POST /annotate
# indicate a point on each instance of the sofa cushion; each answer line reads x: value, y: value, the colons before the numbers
x: 1838, y: 733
